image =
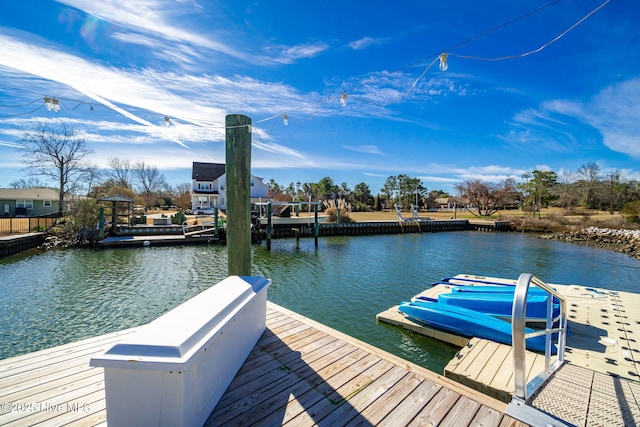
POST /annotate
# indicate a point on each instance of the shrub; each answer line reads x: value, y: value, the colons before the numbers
x: 333, y: 215
x: 632, y: 211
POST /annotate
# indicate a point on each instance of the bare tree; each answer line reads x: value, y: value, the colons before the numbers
x: 589, y: 176
x: 486, y: 198
x: 57, y: 152
x: 183, y: 196
x: 150, y: 180
x: 121, y: 172
x: 31, y: 182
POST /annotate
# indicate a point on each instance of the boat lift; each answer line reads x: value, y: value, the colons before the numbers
x: 204, y: 227
x: 265, y: 210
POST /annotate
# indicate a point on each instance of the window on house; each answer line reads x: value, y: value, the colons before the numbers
x: 221, y: 186
x: 24, y: 204
x: 46, y: 203
x: 251, y: 183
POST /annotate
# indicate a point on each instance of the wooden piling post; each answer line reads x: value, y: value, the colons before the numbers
x: 269, y: 226
x: 316, y: 226
x: 238, y: 174
x: 101, y: 223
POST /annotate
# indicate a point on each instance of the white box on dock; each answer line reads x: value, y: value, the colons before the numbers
x: 174, y: 370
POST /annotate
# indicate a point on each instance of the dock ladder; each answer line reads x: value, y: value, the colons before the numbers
x: 519, y: 407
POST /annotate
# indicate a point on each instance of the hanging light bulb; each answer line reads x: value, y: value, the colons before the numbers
x: 47, y: 103
x: 285, y: 119
x: 443, y: 62
x: 56, y: 106
x: 166, y: 121
x: 343, y: 100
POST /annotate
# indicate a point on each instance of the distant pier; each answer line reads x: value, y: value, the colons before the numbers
x: 363, y: 228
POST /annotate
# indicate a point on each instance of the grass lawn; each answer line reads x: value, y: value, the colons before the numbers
x: 595, y: 216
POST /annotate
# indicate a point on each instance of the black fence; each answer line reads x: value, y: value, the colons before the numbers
x: 28, y: 224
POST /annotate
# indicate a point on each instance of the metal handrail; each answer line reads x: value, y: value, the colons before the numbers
x: 524, y: 390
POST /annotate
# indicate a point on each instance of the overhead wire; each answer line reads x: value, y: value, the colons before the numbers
x: 542, y: 47
x: 405, y: 93
x: 448, y: 52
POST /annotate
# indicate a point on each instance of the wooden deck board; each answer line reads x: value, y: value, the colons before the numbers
x: 299, y: 373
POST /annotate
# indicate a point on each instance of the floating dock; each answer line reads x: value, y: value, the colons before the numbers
x: 158, y: 240
x: 602, y: 358
x: 299, y: 373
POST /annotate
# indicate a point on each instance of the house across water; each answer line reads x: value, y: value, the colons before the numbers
x: 37, y: 201
x: 209, y: 186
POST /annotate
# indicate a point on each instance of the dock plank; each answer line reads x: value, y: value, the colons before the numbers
x: 407, y: 410
x: 375, y: 412
x: 436, y: 410
x: 299, y: 373
x: 462, y: 413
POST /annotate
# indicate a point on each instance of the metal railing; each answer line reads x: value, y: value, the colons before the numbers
x: 524, y: 390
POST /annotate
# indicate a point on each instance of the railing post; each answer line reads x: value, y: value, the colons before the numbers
x: 518, y: 343
x: 522, y: 389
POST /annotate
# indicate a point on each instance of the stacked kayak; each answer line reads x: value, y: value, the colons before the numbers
x: 478, y: 311
x: 498, y: 301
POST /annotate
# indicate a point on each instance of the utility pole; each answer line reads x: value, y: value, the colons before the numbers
x: 238, y: 173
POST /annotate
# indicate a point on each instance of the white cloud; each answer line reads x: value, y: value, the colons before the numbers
x: 10, y: 144
x: 365, y: 42
x: 155, y: 18
x: 368, y: 149
x: 612, y: 112
x: 290, y: 54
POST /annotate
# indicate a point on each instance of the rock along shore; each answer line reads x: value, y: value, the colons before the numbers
x: 624, y: 241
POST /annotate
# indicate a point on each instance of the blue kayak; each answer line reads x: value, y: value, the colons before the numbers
x: 533, y: 290
x: 466, y: 322
x: 498, y: 303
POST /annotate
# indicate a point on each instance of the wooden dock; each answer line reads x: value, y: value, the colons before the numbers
x: 599, y: 383
x: 300, y: 373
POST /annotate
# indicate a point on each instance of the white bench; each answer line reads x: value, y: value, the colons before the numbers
x: 174, y: 370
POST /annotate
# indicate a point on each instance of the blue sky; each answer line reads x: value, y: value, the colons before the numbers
x: 530, y: 85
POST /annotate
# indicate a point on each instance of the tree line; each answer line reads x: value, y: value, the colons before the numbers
x: 60, y: 153
x: 587, y: 188
x: 538, y: 189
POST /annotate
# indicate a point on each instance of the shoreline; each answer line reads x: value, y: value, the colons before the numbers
x: 623, y: 241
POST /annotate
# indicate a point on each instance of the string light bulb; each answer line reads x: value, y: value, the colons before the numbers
x: 343, y: 100
x: 52, y: 104
x: 285, y: 119
x: 443, y: 61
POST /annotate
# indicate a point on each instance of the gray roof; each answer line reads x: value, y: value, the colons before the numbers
x: 207, y: 171
x: 115, y: 198
x: 35, y: 193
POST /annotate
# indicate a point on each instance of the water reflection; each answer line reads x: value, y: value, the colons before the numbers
x: 60, y: 296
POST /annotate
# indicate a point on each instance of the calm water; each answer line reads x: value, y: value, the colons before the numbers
x: 56, y: 297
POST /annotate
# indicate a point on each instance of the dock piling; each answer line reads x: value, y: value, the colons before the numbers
x: 238, y: 171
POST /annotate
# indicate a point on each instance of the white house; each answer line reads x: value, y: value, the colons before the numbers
x: 209, y: 184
